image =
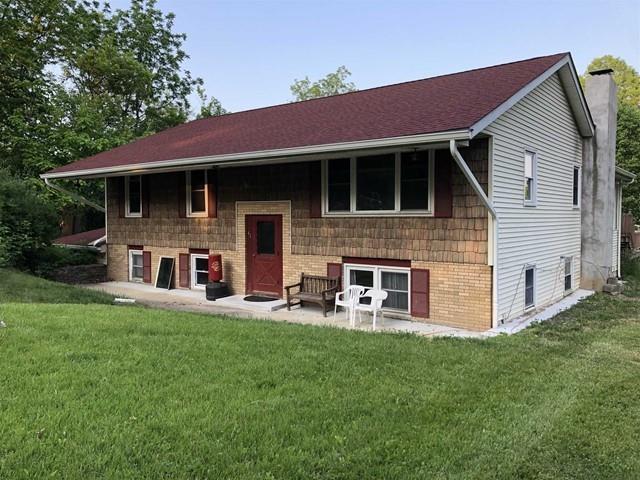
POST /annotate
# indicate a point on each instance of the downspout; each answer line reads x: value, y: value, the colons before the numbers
x: 73, y: 195
x: 453, y: 148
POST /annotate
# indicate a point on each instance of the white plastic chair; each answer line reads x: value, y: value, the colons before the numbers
x: 348, y: 300
x: 377, y: 297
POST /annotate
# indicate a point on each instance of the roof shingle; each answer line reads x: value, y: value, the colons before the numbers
x: 448, y: 102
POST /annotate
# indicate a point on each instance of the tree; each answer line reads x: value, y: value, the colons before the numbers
x: 625, y: 76
x: 209, y: 107
x: 333, y: 84
x: 628, y: 123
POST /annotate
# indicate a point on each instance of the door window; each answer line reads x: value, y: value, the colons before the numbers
x: 266, y: 238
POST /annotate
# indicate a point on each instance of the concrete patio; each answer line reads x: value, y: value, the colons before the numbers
x: 195, y: 301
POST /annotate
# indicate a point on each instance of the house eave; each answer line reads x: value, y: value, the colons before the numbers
x: 260, y: 157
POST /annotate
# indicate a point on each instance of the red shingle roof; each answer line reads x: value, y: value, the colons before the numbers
x: 438, y: 104
x: 82, y: 238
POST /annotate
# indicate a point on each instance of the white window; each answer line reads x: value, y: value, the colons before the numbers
x: 576, y: 187
x: 530, y: 182
x: 133, y: 196
x: 389, y: 184
x: 197, y: 191
x: 199, y: 271
x: 136, y: 266
x: 394, y: 280
x: 529, y: 287
x: 568, y: 271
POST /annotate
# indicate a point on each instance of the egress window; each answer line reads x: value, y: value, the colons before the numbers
x: 529, y: 178
x: 196, y: 193
x: 394, y: 183
x: 133, y: 196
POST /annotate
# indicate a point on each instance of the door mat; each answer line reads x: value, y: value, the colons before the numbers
x: 259, y: 298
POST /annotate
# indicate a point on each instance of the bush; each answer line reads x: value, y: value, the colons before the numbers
x: 28, y: 223
x: 630, y: 265
x: 51, y: 258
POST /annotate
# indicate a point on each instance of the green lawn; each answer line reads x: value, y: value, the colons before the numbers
x: 100, y: 391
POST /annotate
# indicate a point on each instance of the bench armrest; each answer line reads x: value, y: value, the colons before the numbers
x: 288, y: 287
x: 329, y: 290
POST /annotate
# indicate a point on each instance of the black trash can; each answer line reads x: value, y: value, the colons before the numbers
x: 215, y: 290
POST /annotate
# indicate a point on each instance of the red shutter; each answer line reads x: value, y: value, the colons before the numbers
x: 443, y: 194
x: 185, y: 270
x: 335, y: 270
x: 315, y: 190
x: 212, y: 190
x: 120, y: 192
x: 182, y: 194
x: 144, y: 180
x: 420, y: 292
x: 146, y: 267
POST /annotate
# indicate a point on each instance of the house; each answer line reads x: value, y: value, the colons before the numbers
x: 461, y: 195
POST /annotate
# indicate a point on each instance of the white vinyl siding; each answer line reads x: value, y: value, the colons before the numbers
x: 542, y: 236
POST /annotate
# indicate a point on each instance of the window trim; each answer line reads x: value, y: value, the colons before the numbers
x: 577, y: 168
x: 396, y: 212
x: 377, y: 280
x: 189, y: 212
x: 569, y: 261
x: 533, y: 201
x: 533, y: 304
x: 192, y: 268
x: 127, y: 204
x: 133, y: 252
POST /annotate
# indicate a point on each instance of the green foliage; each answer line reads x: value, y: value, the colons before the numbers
x: 628, y: 155
x: 333, y: 84
x: 53, y: 257
x: 625, y: 76
x: 27, y: 224
x: 113, y: 392
x: 209, y: 107
x: 22, y: 288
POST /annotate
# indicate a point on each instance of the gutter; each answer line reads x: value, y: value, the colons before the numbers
x: 75, y: 196
x: 453, y: 148
x: 628, y: 176
x: 261, y: 156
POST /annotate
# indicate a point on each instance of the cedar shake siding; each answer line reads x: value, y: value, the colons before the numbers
x: 459, y: 239
x: 453, y: 249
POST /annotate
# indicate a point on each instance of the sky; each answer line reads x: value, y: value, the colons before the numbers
x: 249, y: 52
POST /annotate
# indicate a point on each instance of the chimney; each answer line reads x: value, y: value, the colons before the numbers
x: 598, y: 181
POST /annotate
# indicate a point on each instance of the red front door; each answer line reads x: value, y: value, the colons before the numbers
x: 264, y: 254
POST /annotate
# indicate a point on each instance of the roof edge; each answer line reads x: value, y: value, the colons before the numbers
x: 260, y: 156
x: 577, y: 101
x: 626, y: 174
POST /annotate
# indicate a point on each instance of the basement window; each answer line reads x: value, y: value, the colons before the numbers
x: 395, y: 281
x: 199, y: 271
x: 529, y: 287
x: 568, y: 273
x: 388, y: 184
x: 133, y: 196
x: 576, y: 186
x: 197, y: 193
x: 136, y: 266
x: 530, y: 184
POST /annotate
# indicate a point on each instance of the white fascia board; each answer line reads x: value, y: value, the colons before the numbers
x: 260, y: 157
x: 572, y: 87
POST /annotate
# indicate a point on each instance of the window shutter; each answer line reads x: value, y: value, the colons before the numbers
x: 184, y: 277
x: 146, y: 267
x: 212, y: 190
x: 335, y: 270
x: 121, y: 200
x: 144, y: 180
x: 443, y: 194
x: 182, y: 194
x: 315, y: 189
x: 420, y: 292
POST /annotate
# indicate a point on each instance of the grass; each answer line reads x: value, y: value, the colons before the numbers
x: 101, y: 391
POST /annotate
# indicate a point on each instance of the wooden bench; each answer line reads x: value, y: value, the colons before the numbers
x: 313, y: 289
